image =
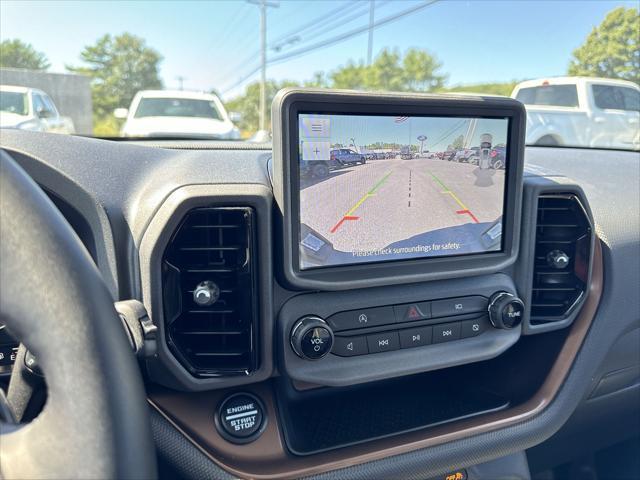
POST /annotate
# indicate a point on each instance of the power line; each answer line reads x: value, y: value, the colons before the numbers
x: 450, y: 132
x: 233, y: 21
x: 352, y: 33
x: 343, y: 22
x: 309, y: 27
x: 332, y: 41
x: 313, y: 22
x: 351, y: 18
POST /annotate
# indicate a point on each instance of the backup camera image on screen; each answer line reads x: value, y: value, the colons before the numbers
x: 381, y: 188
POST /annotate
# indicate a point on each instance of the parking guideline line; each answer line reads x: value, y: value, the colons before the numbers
x: 370, y: 193
x: 379, y: 184
x: 458, y: 201
x: 464, y: 210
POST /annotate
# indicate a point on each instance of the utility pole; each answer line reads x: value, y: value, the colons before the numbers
x: 263, y: 4
x: 372, y: 7
x: 181, y: 80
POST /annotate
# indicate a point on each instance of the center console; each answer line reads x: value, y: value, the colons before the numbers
x: 423, y: 287
x: 373, y: 204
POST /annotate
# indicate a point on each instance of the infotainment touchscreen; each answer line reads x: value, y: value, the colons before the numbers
x: 381, y: 188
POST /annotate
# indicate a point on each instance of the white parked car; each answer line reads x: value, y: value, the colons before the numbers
x: 31, y: 109
x: 166, y: 113
x: 581, y: 111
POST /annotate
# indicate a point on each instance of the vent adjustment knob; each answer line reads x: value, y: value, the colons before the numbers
x: 311, y: 338
x: 505, y: 310
x: 557, y: 259
x: 206, y: 293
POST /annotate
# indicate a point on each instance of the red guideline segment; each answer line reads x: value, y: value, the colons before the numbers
x: 342, y: 220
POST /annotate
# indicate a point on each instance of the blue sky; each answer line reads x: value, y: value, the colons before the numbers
x: 214, y: 43
x: 440, y: 132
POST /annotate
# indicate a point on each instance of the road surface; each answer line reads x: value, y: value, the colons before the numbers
x: 371, y: 206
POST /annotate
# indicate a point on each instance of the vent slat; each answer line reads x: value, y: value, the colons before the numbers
x: 561, y: 223
x: 210, y: 332
x: 212, y: 312
x: 212, y: 245
x: 209, y: 270
x: 209, y: 249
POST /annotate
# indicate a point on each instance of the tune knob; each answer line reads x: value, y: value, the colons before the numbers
x: 505, y: 310
x: 311, y: 338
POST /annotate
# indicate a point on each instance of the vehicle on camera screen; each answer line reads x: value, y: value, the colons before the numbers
x: 406, y: 201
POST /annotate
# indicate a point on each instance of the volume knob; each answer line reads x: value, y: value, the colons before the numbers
x: 311, y: 338
x: 505, y: 310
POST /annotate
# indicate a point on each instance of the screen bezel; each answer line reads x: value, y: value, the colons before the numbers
x: 296, y: 195
x: 290, y: 104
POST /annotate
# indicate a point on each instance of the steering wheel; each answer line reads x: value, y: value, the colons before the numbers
x: 52, y: 299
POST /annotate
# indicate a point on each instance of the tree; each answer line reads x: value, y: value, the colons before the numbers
x: 18, y: 54
x: 351, y: 76
x: 417, y: 71
x: 248, y: 104
x: 317, y: 81
x: 119, y: 67
x: 612, y: 49
x: 458, y: 143
x: 386, y: 73
x: 420, y: 71
x: 500, y: 88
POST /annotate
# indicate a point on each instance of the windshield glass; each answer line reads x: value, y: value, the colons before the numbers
x: 552, y: 95
x: 14, y: 102
x: 579, y: 79
x: 176, y: 107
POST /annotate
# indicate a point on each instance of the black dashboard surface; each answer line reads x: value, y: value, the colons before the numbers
x: 118, y: 187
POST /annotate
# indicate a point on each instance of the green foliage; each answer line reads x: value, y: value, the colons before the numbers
x: 18, y: 54
x: 248, y: 105
x: 417, y: 71
x: 107, y: 126
x: 351, y: 76
x: 458, y: 143
x: 612, y: 49
x: 503, y: 88
x: 317, y: 81
x: 119, y: 67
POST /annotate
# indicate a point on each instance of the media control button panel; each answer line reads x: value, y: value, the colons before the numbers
x: 353, y: 345
x: 388, y: 328
x: 396, y: 330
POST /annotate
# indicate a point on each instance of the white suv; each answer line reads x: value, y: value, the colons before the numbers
x: 171, y: 114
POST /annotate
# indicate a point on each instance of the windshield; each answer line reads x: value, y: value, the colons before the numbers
x: 551, y: 95
x: 14, y: 102
x: 225, y: 60
x: 176, y: 107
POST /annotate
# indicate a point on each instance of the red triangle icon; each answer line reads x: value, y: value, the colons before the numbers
x: 413, y: 313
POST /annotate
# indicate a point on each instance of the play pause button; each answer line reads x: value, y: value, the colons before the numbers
x: 415, y: 337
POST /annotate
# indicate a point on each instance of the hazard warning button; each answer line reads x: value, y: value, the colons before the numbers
x: 412, y: 312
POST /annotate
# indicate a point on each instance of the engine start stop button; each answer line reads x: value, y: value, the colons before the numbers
x: 241, y: 418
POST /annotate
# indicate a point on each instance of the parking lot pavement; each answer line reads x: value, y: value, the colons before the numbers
x: 370, y: 206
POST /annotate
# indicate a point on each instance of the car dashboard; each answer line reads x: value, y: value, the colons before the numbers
x: 419, y: 380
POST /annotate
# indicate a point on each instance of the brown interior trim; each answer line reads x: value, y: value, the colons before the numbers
x: 267, y: 457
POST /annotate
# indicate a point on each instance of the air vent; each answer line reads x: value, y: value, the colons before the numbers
x: 561, y: 269
x: 215, y: 334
